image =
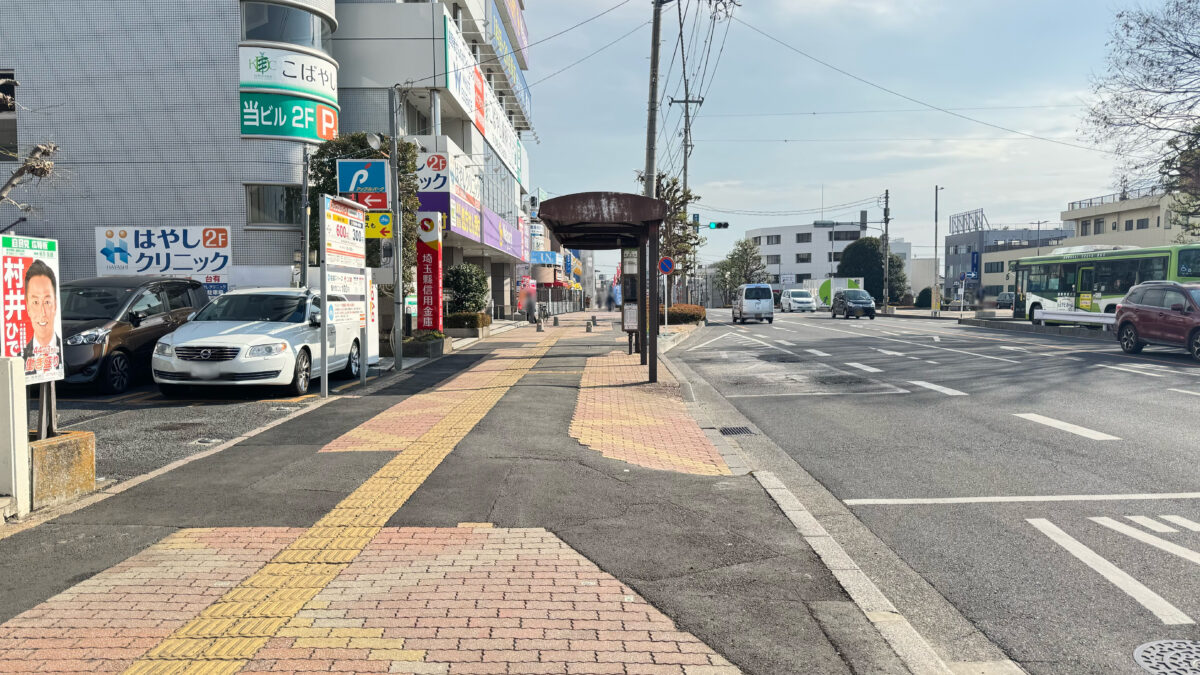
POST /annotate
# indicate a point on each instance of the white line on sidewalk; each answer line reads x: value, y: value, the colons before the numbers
x: 816, y: 352
x: 938, y: 388
x: 860, y: 366
x: 1150, y: 524
x: 1015, y: 499
x: 1129, y: 370
x: 1157, y: 542
x: 1066, y: 426
x: 1185, y: 391
x: 1147, y: 598
x: 1183, y: 522
x: 932, y: 363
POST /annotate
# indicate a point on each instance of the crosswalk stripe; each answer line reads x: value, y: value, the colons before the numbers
x: 1183, y: 522
x: 862, y: 367
x: 1156, y: 542
x: 1066, y: 426
x: 1150, y: 523
x: 816, y: 352
x: 938, y: 388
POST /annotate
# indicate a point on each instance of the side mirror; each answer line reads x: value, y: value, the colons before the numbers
x: 314, y: 317
x: 190, y: 316
x: 1177, y: 307
x: 135, y: 319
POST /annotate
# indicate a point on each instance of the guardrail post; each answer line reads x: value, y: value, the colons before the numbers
x: 15, y: 477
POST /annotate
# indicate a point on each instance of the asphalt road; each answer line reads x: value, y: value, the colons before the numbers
x: 1047, y: 487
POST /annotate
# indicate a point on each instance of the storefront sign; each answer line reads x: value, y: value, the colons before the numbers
x: 429, y: 271
x: 200, y: 253
x: 551, y: 258
x: 343, y: 283
x: 464, y: 80
x: 288, y: 71
x: 345, y: 233
x: 464, y: 218
x: 516, y: 19
x: 30, y: 320
x: 355, y: 176
x: 500, y: 234
x: 286, y: 116
x: 507, y: 58
x: 350, y: 311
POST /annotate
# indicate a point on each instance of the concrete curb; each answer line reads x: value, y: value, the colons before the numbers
x: 1016, y: 326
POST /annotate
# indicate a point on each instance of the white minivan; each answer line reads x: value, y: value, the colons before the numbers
x: 754, y: 301
x: 797, y: 300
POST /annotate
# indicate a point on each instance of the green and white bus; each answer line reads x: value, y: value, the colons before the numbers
x: 1095, y: 278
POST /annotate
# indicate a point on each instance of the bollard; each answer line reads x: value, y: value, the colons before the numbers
x: 593, y: 318
x: 15, y: 473
x: 541, y: 328
x: 556, y: 321
x: 589, y: 326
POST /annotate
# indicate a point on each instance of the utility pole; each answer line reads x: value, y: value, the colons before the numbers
x: 651, y: 173
x: 887, y: 252
x: 687, y: 130
x: 1039, y: 234
x: 937, y: 249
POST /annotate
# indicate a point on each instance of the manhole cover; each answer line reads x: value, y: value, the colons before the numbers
x: 736, y: 431
x: 1169, y: 657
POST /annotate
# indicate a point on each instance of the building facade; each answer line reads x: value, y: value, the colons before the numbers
x: 794, y: 254
x: 170, y: 115
x: 1131, y: 218
x: 964, y: 244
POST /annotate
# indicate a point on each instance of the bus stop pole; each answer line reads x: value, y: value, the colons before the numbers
x: 653, y: 317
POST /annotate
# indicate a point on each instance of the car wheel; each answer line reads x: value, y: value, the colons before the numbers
x: 116, y: 374
x: 172, y: 391
x: 872, y: 317
x: 1129, y: 340
x: 847, y: 316
x: 352, y: 365
x: 771, y: 320
x: 1194, y: 345
x: 1032, y: 311
x: 302, y: 376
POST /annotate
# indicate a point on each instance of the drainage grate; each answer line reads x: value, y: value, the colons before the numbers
x: 1169, y: 657
x: 736, y: 431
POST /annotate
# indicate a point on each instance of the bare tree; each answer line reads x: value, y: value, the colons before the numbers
x: 38, y: 164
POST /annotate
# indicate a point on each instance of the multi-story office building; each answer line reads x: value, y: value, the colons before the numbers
x: 459, y: 70
x: 1131, y: 218
x: 169, y: 115
x: 794, y: 254
x: 971, y: 236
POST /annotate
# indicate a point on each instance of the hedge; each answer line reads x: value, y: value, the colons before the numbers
x: 925, y: 298
x: 468, y: 320
x: 684, y: 314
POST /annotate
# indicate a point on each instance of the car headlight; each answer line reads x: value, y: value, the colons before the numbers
x: 267, y: 350
x: 164, y: 349
x: 92, y: 336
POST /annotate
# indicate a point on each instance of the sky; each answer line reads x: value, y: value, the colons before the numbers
x: 1025, y: 65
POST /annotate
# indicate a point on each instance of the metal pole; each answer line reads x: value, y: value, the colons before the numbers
x: 397, y: 238
x: 643, y: 303
x: 364, y: 348
x: 652, y: 112
x: 937, y: 249
x: 324, y: 327
x: 304, y: 245
x: 887, y: 253
x: 654, y: 304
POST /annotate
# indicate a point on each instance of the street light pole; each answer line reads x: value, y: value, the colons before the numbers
x: 937, y: 287
x: 304, y: 244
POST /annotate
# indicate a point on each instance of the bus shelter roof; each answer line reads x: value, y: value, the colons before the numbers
x: 601, y: 220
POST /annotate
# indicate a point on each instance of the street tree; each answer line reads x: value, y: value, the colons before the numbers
x: 467, y: 288
x: 1147, y: 103
x: 323, y: 180
x: 743, y: 265
x: 864, y: 258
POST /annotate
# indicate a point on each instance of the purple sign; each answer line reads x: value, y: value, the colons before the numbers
x: 464, y: 218
x: 500, y: 234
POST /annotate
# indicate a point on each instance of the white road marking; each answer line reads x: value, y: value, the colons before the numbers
x: 1066, y: 426
x: 933, y: 363
x: 705, y: 344
x: 938, y: 388
x: 1072, y: 358
x: 816, y: 352
x: 1147, y: 598
x: 1013, y: 349
x: 1007, y: 499
x: 1185, y: 391
x: 889, y: 352
x: 860, y: 366
x: 785, y: 343
x: 915, y: 358
x: 945, y: 349
x: 895, y: 390
x: 1157, y: 542
x: 1150, y: 523
x: 937, y: 339
x: 1183, y: 522
x: 1129, y: 370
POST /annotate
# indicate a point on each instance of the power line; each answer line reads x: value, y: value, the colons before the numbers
x: 964, y: 139
x: 791, y: 212
x: 916, y: 100
x: 892, y: 110
x: 572, y: 65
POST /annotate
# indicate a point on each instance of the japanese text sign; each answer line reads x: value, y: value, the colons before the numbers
x: 30, y: 320
x: 288, y: 71
x: 200, y: 253
x: 356, y: 175
x: 429, y: 271
x: 344, y: 226
x: 283, y: 116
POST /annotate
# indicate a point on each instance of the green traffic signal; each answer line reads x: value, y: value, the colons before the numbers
x: 718, y: 226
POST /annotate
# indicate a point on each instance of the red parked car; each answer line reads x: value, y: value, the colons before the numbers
x: 1160, y: 313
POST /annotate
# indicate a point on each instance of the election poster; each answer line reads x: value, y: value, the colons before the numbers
x: 31, y: 323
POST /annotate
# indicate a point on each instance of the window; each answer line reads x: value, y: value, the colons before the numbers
x: 1085, y: 228
x: 1172, y: 298
x: 846, y: 235
x: 274, y: 206
x: 1116, y: 225
x: 1012, y: 288
x: 993, y: 267
x: 804, y: 237
x: 992, y: 290
x: 835, y: 257
x: 178, y: 296
x: 248, y: 307
x: 758, y: 293
x: 280, y: 23
x: 756, y: 240
x: 148, y: 304
x: 773, y: 239
x: 803, y: 257
x: 771, y: 259
x: 1128, y: 225
x: 772, y: 278
x: 8, y: 116
x: 1153, y: 297
x: 1189, y: 262
x: 199, y: 296
x: 1143, y: 223
x: 1152, y: 269
x: 803, y: 277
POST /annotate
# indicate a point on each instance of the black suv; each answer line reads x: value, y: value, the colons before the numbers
x: 852, y: 302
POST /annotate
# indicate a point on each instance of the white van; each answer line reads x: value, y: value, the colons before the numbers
x: 754, y: 301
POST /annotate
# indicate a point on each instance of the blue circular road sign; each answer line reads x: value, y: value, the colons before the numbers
x: 666, y: 265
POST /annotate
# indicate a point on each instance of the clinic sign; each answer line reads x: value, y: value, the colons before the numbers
x: 30, y: 319
x: 200, y: 253
x: 266, y: 115
x: 288, y: 72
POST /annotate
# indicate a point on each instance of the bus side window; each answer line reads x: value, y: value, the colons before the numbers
x: 1189, y: 263
x: 1152, y: 269
x: 1103, y: 276
x: 1124, y: 275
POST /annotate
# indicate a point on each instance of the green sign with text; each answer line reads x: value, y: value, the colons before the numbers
x: 283, y: 116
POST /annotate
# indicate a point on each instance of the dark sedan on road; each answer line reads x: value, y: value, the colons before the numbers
x: 112, y: 324
x: 1005, y: 300
x: 852, y: 302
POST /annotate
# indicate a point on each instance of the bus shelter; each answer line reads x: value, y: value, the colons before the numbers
x: 600, y: 221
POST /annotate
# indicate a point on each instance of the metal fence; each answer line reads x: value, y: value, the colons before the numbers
x: 1116, y: 197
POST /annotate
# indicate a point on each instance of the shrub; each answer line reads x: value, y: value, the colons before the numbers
x: 468, y: 320
x: 906, y: 300
x: 683, y: 314
x: 925, y: 298
x: 427, y: 336
x: 467, y: 286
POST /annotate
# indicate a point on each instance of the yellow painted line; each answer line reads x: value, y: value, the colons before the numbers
x: 228, y: 633
x: 353, y: 384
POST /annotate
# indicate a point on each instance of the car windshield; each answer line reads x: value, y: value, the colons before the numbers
x: 857, y: 295
x: 801, y: 294
x: 276, y: 308
x: 758, y: 294
x: 82, y: 303
x: 1195, y: 292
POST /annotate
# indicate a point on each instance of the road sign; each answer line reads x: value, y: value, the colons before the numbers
x: 379, y: 225
x: 374, y: 201
x: 358, y: 175
x: 666, y: 265
x: 962, y: 276
x: 974, y: 265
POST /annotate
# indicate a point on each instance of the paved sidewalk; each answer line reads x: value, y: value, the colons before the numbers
x: 447, y: 524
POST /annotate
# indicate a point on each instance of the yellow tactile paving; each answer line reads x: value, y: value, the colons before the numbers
x: 306, y: 566
x: 621, y: 416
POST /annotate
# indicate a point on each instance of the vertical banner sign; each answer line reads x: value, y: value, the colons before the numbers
x: 30, y: 320
x: 429, y: 271
x: 344, y: 243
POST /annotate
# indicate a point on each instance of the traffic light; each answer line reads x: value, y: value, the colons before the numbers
x: 718, y: 226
